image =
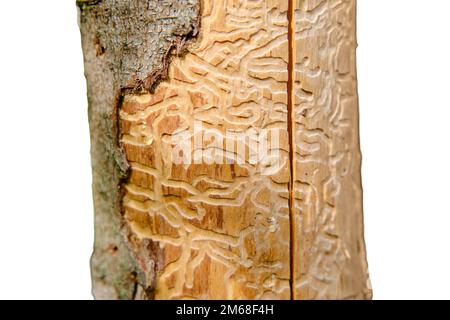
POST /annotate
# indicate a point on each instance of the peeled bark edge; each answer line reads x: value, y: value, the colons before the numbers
x: 127, y: 47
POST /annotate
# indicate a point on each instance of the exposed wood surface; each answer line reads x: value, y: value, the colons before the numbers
x: 330, y: 259
x: 211, y: 228
x: 221, y: 230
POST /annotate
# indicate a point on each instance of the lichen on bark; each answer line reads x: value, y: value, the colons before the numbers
x: 127, y: 45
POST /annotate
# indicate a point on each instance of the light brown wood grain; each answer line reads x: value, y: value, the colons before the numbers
x: 212, y: 228
x: 330, y: 260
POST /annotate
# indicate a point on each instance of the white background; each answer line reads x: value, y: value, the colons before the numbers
x: 46, y: 219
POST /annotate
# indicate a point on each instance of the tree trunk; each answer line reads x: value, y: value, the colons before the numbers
x: 225, y: 149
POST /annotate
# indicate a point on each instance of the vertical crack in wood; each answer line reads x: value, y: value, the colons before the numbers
x: 290, y: 124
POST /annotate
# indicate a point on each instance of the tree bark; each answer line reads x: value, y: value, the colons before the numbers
x: 225, y: 149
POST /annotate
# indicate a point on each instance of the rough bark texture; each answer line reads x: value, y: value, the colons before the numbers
x: 231, y: 230
x: 127, y: 45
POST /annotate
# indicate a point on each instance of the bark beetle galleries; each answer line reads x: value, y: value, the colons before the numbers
x: 214, y: 228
